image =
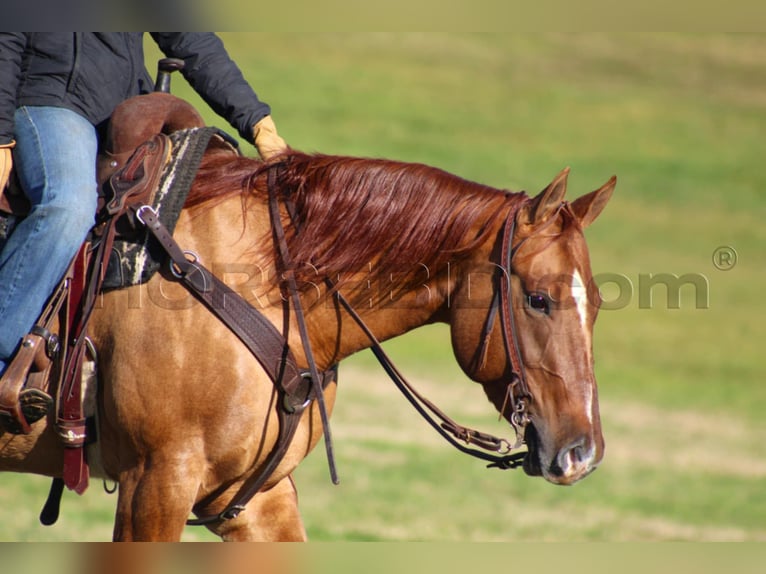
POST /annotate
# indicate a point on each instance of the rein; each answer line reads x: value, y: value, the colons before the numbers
x: 518, y: 394
x: 292, y: 287
x: 451, y: 431
x: 459, y: 436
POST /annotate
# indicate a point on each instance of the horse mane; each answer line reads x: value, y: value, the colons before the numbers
x: 378, y: 217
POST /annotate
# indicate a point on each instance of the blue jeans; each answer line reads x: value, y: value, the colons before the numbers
x: 55, y: 159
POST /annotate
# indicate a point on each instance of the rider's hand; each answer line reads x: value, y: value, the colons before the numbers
x: 6, y: 162
x: 267, y: 141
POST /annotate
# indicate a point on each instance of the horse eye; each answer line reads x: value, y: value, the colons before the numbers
x: 539, y: 303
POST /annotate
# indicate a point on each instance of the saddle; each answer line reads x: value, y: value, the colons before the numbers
x: 129, y: 166
x: 138, y: 120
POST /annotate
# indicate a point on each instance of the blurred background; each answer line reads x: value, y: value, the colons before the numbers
x: 680, y: 119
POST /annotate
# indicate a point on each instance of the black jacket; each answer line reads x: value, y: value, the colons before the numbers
x: 91, y: 72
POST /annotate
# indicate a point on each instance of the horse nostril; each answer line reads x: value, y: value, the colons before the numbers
x: 577, y: 453
x: 571, y: 456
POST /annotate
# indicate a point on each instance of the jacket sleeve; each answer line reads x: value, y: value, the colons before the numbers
x: 12, y: 46
x: 215, y: 77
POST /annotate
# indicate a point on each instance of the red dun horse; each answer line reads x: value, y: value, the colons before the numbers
x: 186, y: 414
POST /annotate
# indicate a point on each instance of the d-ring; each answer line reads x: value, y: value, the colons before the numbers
x: 192, y: 258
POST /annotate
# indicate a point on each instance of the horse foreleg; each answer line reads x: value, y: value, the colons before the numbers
x: 271, y: 516
x: 154, y: 501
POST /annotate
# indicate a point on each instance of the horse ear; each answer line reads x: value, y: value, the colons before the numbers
x: 549, y: 199
x: 588, y: 207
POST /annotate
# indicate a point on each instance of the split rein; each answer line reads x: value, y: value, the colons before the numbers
x: 297, y: 396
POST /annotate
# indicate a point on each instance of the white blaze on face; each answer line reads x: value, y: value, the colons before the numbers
x: 580, y: 295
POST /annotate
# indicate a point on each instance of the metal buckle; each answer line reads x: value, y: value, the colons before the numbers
x: 142, y: 210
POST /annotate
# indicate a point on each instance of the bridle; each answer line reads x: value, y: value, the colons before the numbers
x: 517, y: 393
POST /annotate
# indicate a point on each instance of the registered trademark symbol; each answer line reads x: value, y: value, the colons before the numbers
x: 725, y: 258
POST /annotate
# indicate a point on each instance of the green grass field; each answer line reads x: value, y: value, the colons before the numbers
x: 680, y: 119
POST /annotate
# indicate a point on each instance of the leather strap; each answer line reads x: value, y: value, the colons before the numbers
x: 518, y: 392
x: 131, y: 184
x: 209, y: 289
x: 70, y: 423
x: 292, y: 288
x: 262, y: 339
x: 289, y: 420
x: 452, y: 432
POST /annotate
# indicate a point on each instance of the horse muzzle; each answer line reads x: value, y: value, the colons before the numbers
x: 567, y: 465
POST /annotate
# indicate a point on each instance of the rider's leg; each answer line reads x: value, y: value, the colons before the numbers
x: 55, y: 158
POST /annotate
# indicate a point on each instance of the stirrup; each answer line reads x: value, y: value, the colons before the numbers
x: 34, y: 405
x: 23, y: 401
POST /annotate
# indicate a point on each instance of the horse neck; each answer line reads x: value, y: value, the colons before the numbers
x: 448, y: 221
x: 336, y: 335
x: 388, y: 312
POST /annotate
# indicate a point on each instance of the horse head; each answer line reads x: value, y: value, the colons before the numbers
x: 550, y: 395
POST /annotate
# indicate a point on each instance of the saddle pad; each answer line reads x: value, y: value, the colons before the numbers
x: 134, y: 261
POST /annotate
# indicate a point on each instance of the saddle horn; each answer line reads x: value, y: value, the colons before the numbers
x: 165, y: 67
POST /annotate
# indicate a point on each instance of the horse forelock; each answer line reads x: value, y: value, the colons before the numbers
x: 376, y: 217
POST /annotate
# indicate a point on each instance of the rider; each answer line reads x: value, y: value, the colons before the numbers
x: 57, y: 91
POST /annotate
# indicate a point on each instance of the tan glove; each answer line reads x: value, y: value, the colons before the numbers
x: 6, y: 163
x: 267, y: 141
